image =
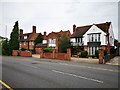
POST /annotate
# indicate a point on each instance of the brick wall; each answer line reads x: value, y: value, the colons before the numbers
x: 25, y: 54
x: 48, y: 55
x: 56, y: 55
x: 24, y: 46
x: 15, y: 53
x: 101, y: 56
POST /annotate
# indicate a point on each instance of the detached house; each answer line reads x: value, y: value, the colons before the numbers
x: 27, y: 39
x: 93, y: 37
x: 52, y: 39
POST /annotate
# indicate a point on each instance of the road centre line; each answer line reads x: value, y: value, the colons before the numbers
x: 78, y: 76
x: 8, y: 87
x: 91, y: 67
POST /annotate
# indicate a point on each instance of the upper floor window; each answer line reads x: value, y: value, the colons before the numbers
x: 78, y: 40
x: 32, y: 43
x: 94, y: 37
x: 52, y: 41
x: 44, y: 41
x: 25, y: 37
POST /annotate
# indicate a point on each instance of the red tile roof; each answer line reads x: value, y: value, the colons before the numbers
x: 80, y: 31
x: 30, y: 36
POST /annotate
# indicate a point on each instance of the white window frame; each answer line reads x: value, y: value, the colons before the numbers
x: 25, y: 37
x: 32, y: 43
x: 24, y: 43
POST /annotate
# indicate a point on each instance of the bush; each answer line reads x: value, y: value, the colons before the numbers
x: 48, y: 50
x: 84, y: 54
x: 97, y: 53
x: 23, y: 49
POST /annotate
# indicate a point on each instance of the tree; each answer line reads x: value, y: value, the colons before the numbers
x: 64, y: 43
x: 5, y: 47
x: 14, y: 38
x: 39, y: 39
x: 115, y: 42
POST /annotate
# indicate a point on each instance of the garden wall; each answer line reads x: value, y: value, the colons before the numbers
x: 25, y: 54
x: 21, y: 53
x: 56, y: 55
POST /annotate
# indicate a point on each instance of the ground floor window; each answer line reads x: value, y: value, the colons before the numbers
x: 91, y: 50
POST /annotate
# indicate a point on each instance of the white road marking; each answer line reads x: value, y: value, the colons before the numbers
x: 78, y: 76
x: 91, y: 67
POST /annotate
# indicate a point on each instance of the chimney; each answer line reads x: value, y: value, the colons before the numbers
x: 74, y: 28
x: 34, y: 29
x: 21, y: 31
x: 44, y: 35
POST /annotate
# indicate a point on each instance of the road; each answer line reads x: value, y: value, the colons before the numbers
x: 27, y: 72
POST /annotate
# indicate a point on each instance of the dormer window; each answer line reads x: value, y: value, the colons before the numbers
x: 25, y: 37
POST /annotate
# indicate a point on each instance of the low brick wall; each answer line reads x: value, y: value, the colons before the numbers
x: 62, y: 56
x: 48, y: 55
x: 15, y: 53
x: 56, y: 55
x: 38, y: 50
x: 25, y: 54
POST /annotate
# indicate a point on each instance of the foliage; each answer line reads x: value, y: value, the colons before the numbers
x: 23, y: 49
x: 97, y: 53
x: 5, y: 47
x: 48, y: 50
x: 14, y: 38
x: 84, y: 54
x: 39, y: 39
x: 115, y: 41
x: 64, y: 43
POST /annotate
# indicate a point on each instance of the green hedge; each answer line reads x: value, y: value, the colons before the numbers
x: 84, y: 54
x: 48, y: 50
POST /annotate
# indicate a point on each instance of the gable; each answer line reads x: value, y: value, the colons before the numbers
x: 94, y: 29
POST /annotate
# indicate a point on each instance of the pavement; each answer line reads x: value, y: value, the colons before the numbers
x: 28, y: 72
x: 114, y: 61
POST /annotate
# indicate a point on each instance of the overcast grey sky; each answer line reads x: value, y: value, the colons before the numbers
x: 54, y: 15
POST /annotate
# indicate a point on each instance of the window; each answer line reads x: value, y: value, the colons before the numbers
x: 24, y: 43
x: 25, y: 37
x: 94, y: 37
x: 52, y: 41
x: 32, y: 43
x: 20, y: 44
x: 44, y: 42
x: 99, y: 37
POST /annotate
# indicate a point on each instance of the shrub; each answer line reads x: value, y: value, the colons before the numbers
x: 97, y: 53
x: 48, y: 50
x: 23, y: 49
x: 84, y: 54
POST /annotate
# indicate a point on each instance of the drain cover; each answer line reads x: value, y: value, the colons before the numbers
x: 34, y: 63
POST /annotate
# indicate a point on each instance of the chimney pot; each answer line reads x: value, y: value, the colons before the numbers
x: 21, y: 31
x: 44, y: 35
x: 34, y: 29
x: 74, y: 28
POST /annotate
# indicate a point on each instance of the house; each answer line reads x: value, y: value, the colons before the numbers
x: 93, y: 37
x: 52, y: 39
x: 27, y: 39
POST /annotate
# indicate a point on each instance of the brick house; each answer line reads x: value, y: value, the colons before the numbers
x: 27, y: 39
x: 93, y: 37
x: 52, y: 39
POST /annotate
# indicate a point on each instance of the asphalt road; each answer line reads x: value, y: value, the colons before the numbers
x: 21, y: 72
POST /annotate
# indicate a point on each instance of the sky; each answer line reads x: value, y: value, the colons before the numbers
x: 56, y: 15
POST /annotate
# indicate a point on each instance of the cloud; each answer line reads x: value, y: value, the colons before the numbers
x: 54, y: 15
